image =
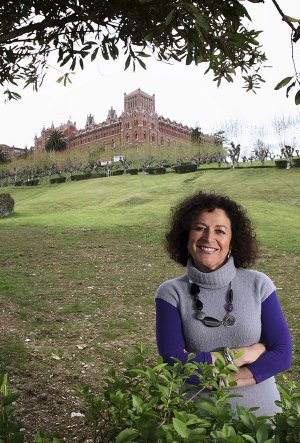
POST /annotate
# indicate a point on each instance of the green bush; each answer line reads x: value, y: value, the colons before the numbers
x: 133, y: 171
x: 118, y: 172
x: 153, y: 170
x: 10, y: 431
x: 78, y: 177
x: 149, y: 403
x: 33, y: 182
x: 7, y: 204
x: 282, y: 164
x: 296, y: 162
x: 160, y: 170
x: 57, y: 180
x: 183, y: 169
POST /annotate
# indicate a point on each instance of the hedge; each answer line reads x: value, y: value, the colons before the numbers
x: 183, y: 169
x: 57, y: 180
x: 282, y: 164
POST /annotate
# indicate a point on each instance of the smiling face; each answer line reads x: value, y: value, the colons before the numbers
x: 210, y: 239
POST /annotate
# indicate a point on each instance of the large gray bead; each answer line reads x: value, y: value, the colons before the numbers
x: 200, y: 315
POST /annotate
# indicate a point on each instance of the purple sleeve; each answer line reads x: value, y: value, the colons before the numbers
x: 169, y: 335
x: 275, y: 335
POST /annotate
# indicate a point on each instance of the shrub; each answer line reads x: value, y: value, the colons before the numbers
x: 7, y: 204
x: 183, y: 169
x: 33, y: 182
x: 78, y: 177
x: 149, y: 402
x: 153, y: 171
x: 118, y: 172
x: 161, y: 170
x: 57, y: 180
x: 296, y: 162
x: 150, y: 171
x: 10, y: 431
x: 152, y: 403
x: 133, y: 171
x: 282, y: 164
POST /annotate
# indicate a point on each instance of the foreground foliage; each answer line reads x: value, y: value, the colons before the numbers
x: 152, y: 403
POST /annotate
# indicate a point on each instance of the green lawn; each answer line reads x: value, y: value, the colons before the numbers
x: 80, y: 263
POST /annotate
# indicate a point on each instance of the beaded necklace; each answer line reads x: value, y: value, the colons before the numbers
x: 211, y: 322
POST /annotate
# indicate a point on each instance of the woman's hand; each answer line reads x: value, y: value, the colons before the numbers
x: 250, y: 354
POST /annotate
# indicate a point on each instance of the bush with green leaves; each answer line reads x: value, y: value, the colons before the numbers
x: 7, y: 204
x: 151, y: 402
x: 10, y: 431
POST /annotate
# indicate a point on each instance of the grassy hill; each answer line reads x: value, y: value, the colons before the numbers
x: 270, y: 195
x: 80, y: 263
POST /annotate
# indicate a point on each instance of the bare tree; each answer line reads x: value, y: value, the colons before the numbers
x: 261, y: 151
x: 234, y: 154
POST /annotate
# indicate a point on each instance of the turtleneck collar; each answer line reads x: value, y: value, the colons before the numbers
x: 215, y: 279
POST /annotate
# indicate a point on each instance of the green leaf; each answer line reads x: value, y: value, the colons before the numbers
x: 289, y: 88
x: 297, y: 98
x: 283, y: 83
x: 287, y: 18
x: 10, y: 398
x: 127, y: 63
x: 262, y: 434
x: 141, y: 63
x: 160, y: 366
x: 232, y: 367
x: 126, y: 435
x: 137, y: 401
x: 248, y: 438
x: 94, y: 54
x: 235, y: 439
x: 180, y: 427
x: 169, y: 17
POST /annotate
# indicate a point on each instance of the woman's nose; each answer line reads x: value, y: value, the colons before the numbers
x: 208, y: 234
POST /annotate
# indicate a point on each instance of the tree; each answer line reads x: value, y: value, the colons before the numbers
x: 209, y: 31
x: 196, y: 135
x: 3, y: 157
x: 288, y: 152
x: 55, y: 141
x: 261, y: 151
x: 234, y: 154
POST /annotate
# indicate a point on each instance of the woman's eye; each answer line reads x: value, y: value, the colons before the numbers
x: 200, y: 228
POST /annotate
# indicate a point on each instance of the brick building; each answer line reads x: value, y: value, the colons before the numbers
x: 11, y: 151
x: 138, y: 123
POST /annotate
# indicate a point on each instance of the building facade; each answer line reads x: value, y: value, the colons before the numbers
x: 11, y: 151
x: 138, y: 123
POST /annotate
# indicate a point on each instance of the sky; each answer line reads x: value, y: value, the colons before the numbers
x: 183, y: 93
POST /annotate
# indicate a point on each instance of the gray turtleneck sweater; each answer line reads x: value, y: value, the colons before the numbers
x: 178, y: 330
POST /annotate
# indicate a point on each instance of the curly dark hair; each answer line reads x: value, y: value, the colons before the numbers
x: 244, y: 246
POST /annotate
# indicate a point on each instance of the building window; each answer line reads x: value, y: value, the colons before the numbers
x: 145, y: 136
x: 136, y: 136
x: 135, y: 122
x: 144, y: 123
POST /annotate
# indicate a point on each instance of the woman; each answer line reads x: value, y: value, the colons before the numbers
x: 218, y: 303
